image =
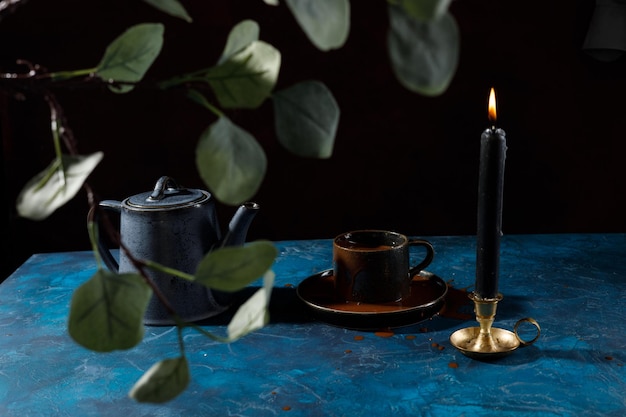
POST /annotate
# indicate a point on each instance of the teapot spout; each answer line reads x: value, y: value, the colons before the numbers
x: 239, y: 224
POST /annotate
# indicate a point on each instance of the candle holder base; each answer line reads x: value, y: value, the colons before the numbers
x: 487, y: 342
x: 472, y: 343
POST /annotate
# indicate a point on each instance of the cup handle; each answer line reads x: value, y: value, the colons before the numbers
x: 105, y: 252
x: 430, y: 254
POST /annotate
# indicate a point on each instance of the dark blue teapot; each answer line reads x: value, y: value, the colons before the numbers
x: 175, y: 227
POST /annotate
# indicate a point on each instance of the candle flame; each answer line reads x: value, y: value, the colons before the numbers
x: 492, y: 106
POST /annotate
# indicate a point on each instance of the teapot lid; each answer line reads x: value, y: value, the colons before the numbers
x: 167, y: 194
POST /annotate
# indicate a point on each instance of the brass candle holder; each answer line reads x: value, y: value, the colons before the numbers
x: 488, y: 342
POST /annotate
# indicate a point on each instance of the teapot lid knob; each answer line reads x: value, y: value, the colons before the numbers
x: 164, y: 183
x: 167, y: 194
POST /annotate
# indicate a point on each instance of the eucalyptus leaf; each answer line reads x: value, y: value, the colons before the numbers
x: 130, y: 55
x: 107, y: 311
x: 171, y: 7
x: 306, y: 117
x: 56, y: 185
x: 325, y: 22
x: 234, y: 267
x: 162, y: 382
x: 240, y: 36
x: 253, y: 314
x: 230, y: 162
x: 424, y: 55
x: 245, y: 79
x: 425, y: 10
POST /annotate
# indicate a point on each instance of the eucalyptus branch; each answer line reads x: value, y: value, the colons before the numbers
x: 37, y: 78
x: 198, y: 75
x: 210, y: 335
x: 181, y: 341
x: 60, y: 126
x: 64, y: 75
x: 35, y: 71
x: 54, y: 126
x: 167, y: 270
x: 141, y: 266
x: 92, y: 229
x: 199, y: 98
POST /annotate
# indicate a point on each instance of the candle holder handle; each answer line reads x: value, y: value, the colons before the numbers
x: 488, y: 342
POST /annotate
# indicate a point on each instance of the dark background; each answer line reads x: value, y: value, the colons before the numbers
x: 401, y: 161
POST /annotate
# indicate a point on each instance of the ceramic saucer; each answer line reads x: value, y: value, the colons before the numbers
x: 426, y: 299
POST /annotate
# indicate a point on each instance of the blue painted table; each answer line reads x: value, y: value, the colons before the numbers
x: 574, y: 285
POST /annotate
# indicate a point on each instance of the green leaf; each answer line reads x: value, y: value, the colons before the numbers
x: 107, y: 311
x: 306, y: 117
x: 424, y: 56
x: 240, y: 36
x: 325, y: 22
x: 234, y: 267
x: 253, y: 314
x: 246, y: 78
x: 56, y: 185
x: 425, y: 10
x: 162, y: 382
x: 171, y: 7
x: 130, y: 55
x: 230, y: 162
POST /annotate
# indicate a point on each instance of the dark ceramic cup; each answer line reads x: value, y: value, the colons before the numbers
x: 373, y: 266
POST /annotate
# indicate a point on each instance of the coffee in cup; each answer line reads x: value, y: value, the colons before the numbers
x: 373, y: 266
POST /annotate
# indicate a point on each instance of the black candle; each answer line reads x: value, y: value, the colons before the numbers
x: 490, y: 187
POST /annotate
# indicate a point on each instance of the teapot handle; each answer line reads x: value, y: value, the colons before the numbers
x: 103, y: 249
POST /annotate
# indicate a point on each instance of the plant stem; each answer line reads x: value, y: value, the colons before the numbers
x: 198, y: 97
x: 209, y: 334
x: 181, y: 341
x: 213, y: 109
x: 167, y: 270
x: 54, y: 126
x: 64, y: 75
x: 199, y: 75
x: 93, y: 239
